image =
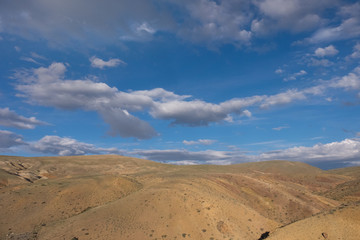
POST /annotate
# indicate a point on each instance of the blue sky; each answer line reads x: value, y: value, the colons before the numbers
x: 184, y: 82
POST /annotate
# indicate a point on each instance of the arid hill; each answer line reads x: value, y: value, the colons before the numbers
x: 115, y: 197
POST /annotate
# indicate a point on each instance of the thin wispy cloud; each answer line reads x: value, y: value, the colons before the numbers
x: 280, y: 128
x: 199, y: 142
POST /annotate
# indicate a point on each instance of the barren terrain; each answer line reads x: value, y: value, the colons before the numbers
x: 115, y: 197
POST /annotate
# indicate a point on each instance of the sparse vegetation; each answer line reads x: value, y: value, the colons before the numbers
x: 132, y: 197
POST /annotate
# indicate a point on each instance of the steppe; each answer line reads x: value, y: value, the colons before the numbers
x: 116, y: 197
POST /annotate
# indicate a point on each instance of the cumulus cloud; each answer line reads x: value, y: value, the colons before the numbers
x: 49, y: 87
x: 291, y: 15
x: 350, y: 81
x: 236, y: 22
x: 346, y: 150
x: 9, y: 139
x: 326, y: 52
x: 347, y: 29
x: 64, y: 146
x: 99, y: 63
x: 10, y: 118
x: 199, y: 142
x: 216, y: 21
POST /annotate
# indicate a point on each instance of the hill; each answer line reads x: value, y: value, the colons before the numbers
x: 116, y: 197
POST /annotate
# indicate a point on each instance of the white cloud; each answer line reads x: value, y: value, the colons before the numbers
x: 29, y: 59
x: 346, y: 150
x: 348, y: 28
x: 279, y: 71
x: 48, y: 87
x: 145, y: 27
x: 211, y: 21
x: 88, y: 21
x: 320, y: 62
x: 99, y: 63
x: 326, y: 52
x: 290, y: 15
x: 9, y: 118
x: 348, y: 82
x: 64, y: 146
x: 37, y: 56
x: 356, y: 52
x: 199, y: 142
x: 236, y: 22
x: 283, y: 98
x: 9, y: 139
x: 280, y: 128
x: 175, y: 155
x: 293, y: 76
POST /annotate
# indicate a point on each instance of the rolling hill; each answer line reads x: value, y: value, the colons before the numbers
x: 116, y: 197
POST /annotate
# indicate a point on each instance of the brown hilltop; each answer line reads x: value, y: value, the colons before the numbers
x: 115, y: 197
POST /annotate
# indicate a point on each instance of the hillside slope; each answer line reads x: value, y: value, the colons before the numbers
x: 115, y: 197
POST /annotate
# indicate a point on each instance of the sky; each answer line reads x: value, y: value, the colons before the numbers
x: 182, y: 82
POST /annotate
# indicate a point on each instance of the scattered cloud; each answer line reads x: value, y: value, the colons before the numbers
x: 9, y: 139
x: 348, y: 28
x: 356, y: 53
x: 29, y: 59
x: 145, y: 27
x: 345, y: 150
x: 348, y: 82
x: 187, y: 157
x: 200, y: 142
x: 213, y: 22
x: 48, y: 87
x: 10, y: 118
x: 328, y: 51
x: 216, y: 22
x: 87, y: 21
x: 320, y: 62
x: 283, y: 98
x: 99, y: 63
x: 290, y: 15
x: 280, y: 128
x: 37, y: 56
x: 279, y: 71
x: 64, y: 146
x: 293, y: 77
